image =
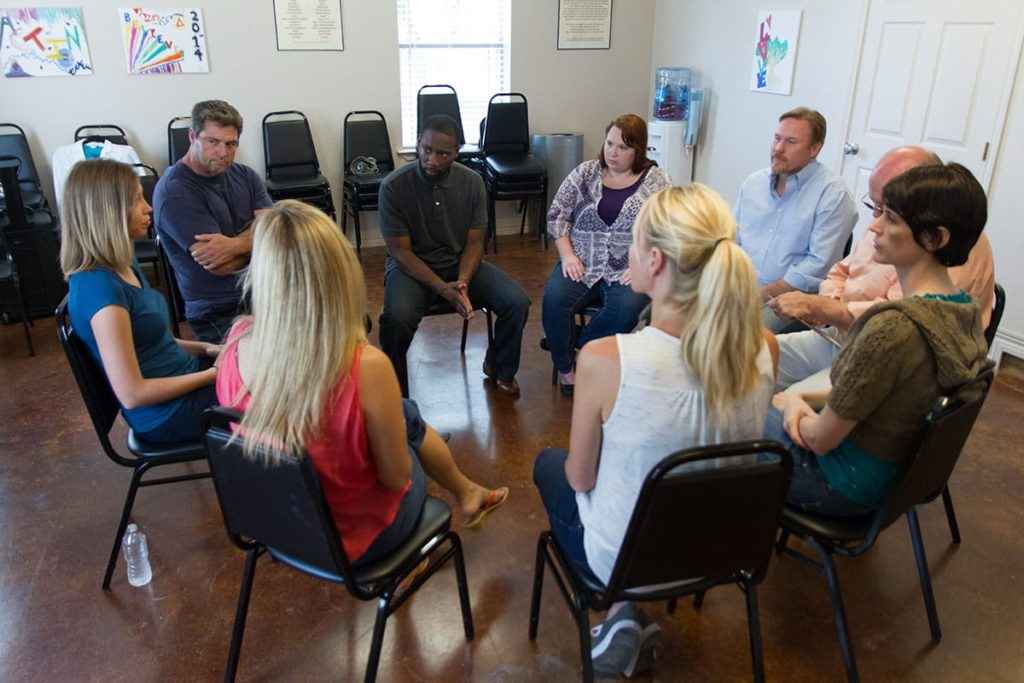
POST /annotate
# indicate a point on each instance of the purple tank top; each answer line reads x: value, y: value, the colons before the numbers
x: 612, y: 200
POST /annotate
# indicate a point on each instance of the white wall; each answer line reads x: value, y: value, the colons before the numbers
x: 715, y: 37
x: 567, y: 90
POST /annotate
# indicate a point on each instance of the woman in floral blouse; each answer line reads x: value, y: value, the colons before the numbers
x: 591, y: 221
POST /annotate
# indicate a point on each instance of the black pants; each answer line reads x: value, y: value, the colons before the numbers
x: 406, y: 301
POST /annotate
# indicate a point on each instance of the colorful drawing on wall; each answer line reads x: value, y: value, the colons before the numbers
x: 43, y: 41
x: 164, y: 41
x: 775, y: 51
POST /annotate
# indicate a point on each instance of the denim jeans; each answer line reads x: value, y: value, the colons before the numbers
x: 808, y: 489
x: 406, y: 301
x: 184, y: 423
x: 213, y: 328
x: 560, y: 501
x: 620, y: 308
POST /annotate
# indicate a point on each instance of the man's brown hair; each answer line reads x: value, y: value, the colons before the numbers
x: 218, y: 111
x: 813, y: 118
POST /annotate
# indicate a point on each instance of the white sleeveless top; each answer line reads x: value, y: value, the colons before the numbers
x: 659, y: 410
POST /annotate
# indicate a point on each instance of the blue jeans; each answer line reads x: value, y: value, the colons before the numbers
x: 560, y: 501
x: 411, y: 508
x: 213, y: 327
x: 620, y: 308
x: 406, y: 301
x: 809, y: 490
x: 184, y: 423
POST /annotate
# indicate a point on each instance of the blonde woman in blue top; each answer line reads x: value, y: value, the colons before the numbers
x: 163, y: 384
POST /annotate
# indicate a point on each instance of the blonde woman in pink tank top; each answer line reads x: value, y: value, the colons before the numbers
x: 301, y: 370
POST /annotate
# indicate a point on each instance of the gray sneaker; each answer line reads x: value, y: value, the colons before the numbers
x: 647, y: 649
x: 616, y: 643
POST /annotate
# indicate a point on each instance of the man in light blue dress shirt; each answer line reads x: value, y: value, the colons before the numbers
x: 794, y: 217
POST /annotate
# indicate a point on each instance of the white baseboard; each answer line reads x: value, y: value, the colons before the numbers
x: 1006, y: 342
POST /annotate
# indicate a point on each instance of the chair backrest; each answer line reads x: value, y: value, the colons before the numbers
x: 177, y: 138
x: 177, y: 301
x: 507, y: 126
x: 367, y: 138
x: 288, y: 148
x: 148, y: 178
x: 13, y: 202
x: 98, y: 396
x: 101, y: 132
x: 433, y: 103
x: 997, y: 315
x: 707, y: 519
x: 14, y: 143
x: 947, y: 427
x: 280, y: 506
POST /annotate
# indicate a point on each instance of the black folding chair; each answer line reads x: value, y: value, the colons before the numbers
x: 103, y: 408
x: 101, y: 132
x: 997, y: 314
x: 725, y: 514
x: 174, y: 297
x: 281, y: 509
x: 177, y: 138
x: 510, y: 171
x: 9, y: 276
x: 293, y: 169
x: 367, y: 159
x: 14, y: 143
x: 146, y: 247
x: 947, y: 427
x: 432, y: 100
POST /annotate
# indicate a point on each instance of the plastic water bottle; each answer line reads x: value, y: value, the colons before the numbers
x: 136, y: 555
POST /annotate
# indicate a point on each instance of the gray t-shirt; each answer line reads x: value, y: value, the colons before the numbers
x: 186, y: 204
x: 435, y: 213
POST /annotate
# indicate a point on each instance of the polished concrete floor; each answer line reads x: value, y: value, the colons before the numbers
x: 60, y: 499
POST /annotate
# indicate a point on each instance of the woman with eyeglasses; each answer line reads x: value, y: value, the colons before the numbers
x: 901, y: 355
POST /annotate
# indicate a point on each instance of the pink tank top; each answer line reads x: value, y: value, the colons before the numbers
x: 360, y: 505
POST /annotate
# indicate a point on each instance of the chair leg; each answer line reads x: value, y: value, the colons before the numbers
x: 698, y: 600
x: 490, y: 330
x: 463, y: 584
x: 538, y: 584
x: 241, y: 611
x: 523, y: 206
x: 925, y: 576
x: 378, y: 637
x: 344, y: 215
x: 359, y: 232
x: 780, y: 545
x: 838, y: 611
x: 129, y: 501
x: 25, y: 319
x: 583, y: 625
x: 947, y: 502
x: 492, y: 225
x: 465, y: 331
x: 754, y: 626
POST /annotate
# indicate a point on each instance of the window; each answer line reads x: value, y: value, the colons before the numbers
x: 464, y: 43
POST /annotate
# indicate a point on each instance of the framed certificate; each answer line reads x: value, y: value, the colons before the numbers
x: 308, y: 25
x: 584, y: 24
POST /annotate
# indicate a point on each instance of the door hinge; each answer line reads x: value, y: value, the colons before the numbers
x: 984, y: 153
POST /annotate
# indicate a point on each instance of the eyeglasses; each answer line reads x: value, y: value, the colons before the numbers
x: 214, y: 143
x: 875, y: 209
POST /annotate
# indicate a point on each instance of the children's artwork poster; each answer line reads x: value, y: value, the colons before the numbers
x: 43, y: 41
x: 164, y: 41
x: 775, y: 51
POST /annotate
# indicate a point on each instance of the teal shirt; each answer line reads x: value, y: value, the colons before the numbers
x: 857, y: 474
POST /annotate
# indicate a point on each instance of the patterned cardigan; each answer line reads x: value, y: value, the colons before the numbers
x: 603, y: 249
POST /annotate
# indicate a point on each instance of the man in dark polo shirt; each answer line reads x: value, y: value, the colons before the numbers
x: 433, y: 216
x: 202, y: 207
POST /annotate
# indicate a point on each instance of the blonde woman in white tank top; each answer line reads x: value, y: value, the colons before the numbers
x: 701, y: 373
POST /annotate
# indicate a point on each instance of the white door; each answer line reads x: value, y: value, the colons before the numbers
x: 935, y: 73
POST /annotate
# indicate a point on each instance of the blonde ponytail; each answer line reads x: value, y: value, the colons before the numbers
x: 713, y: 284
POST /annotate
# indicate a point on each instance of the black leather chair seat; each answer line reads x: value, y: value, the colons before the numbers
x: 364, y: 184
x: 850, y: 529
x: 299, y: 183
x: 436, y: 519
x: 144, y: 449
x: 513, y: 165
